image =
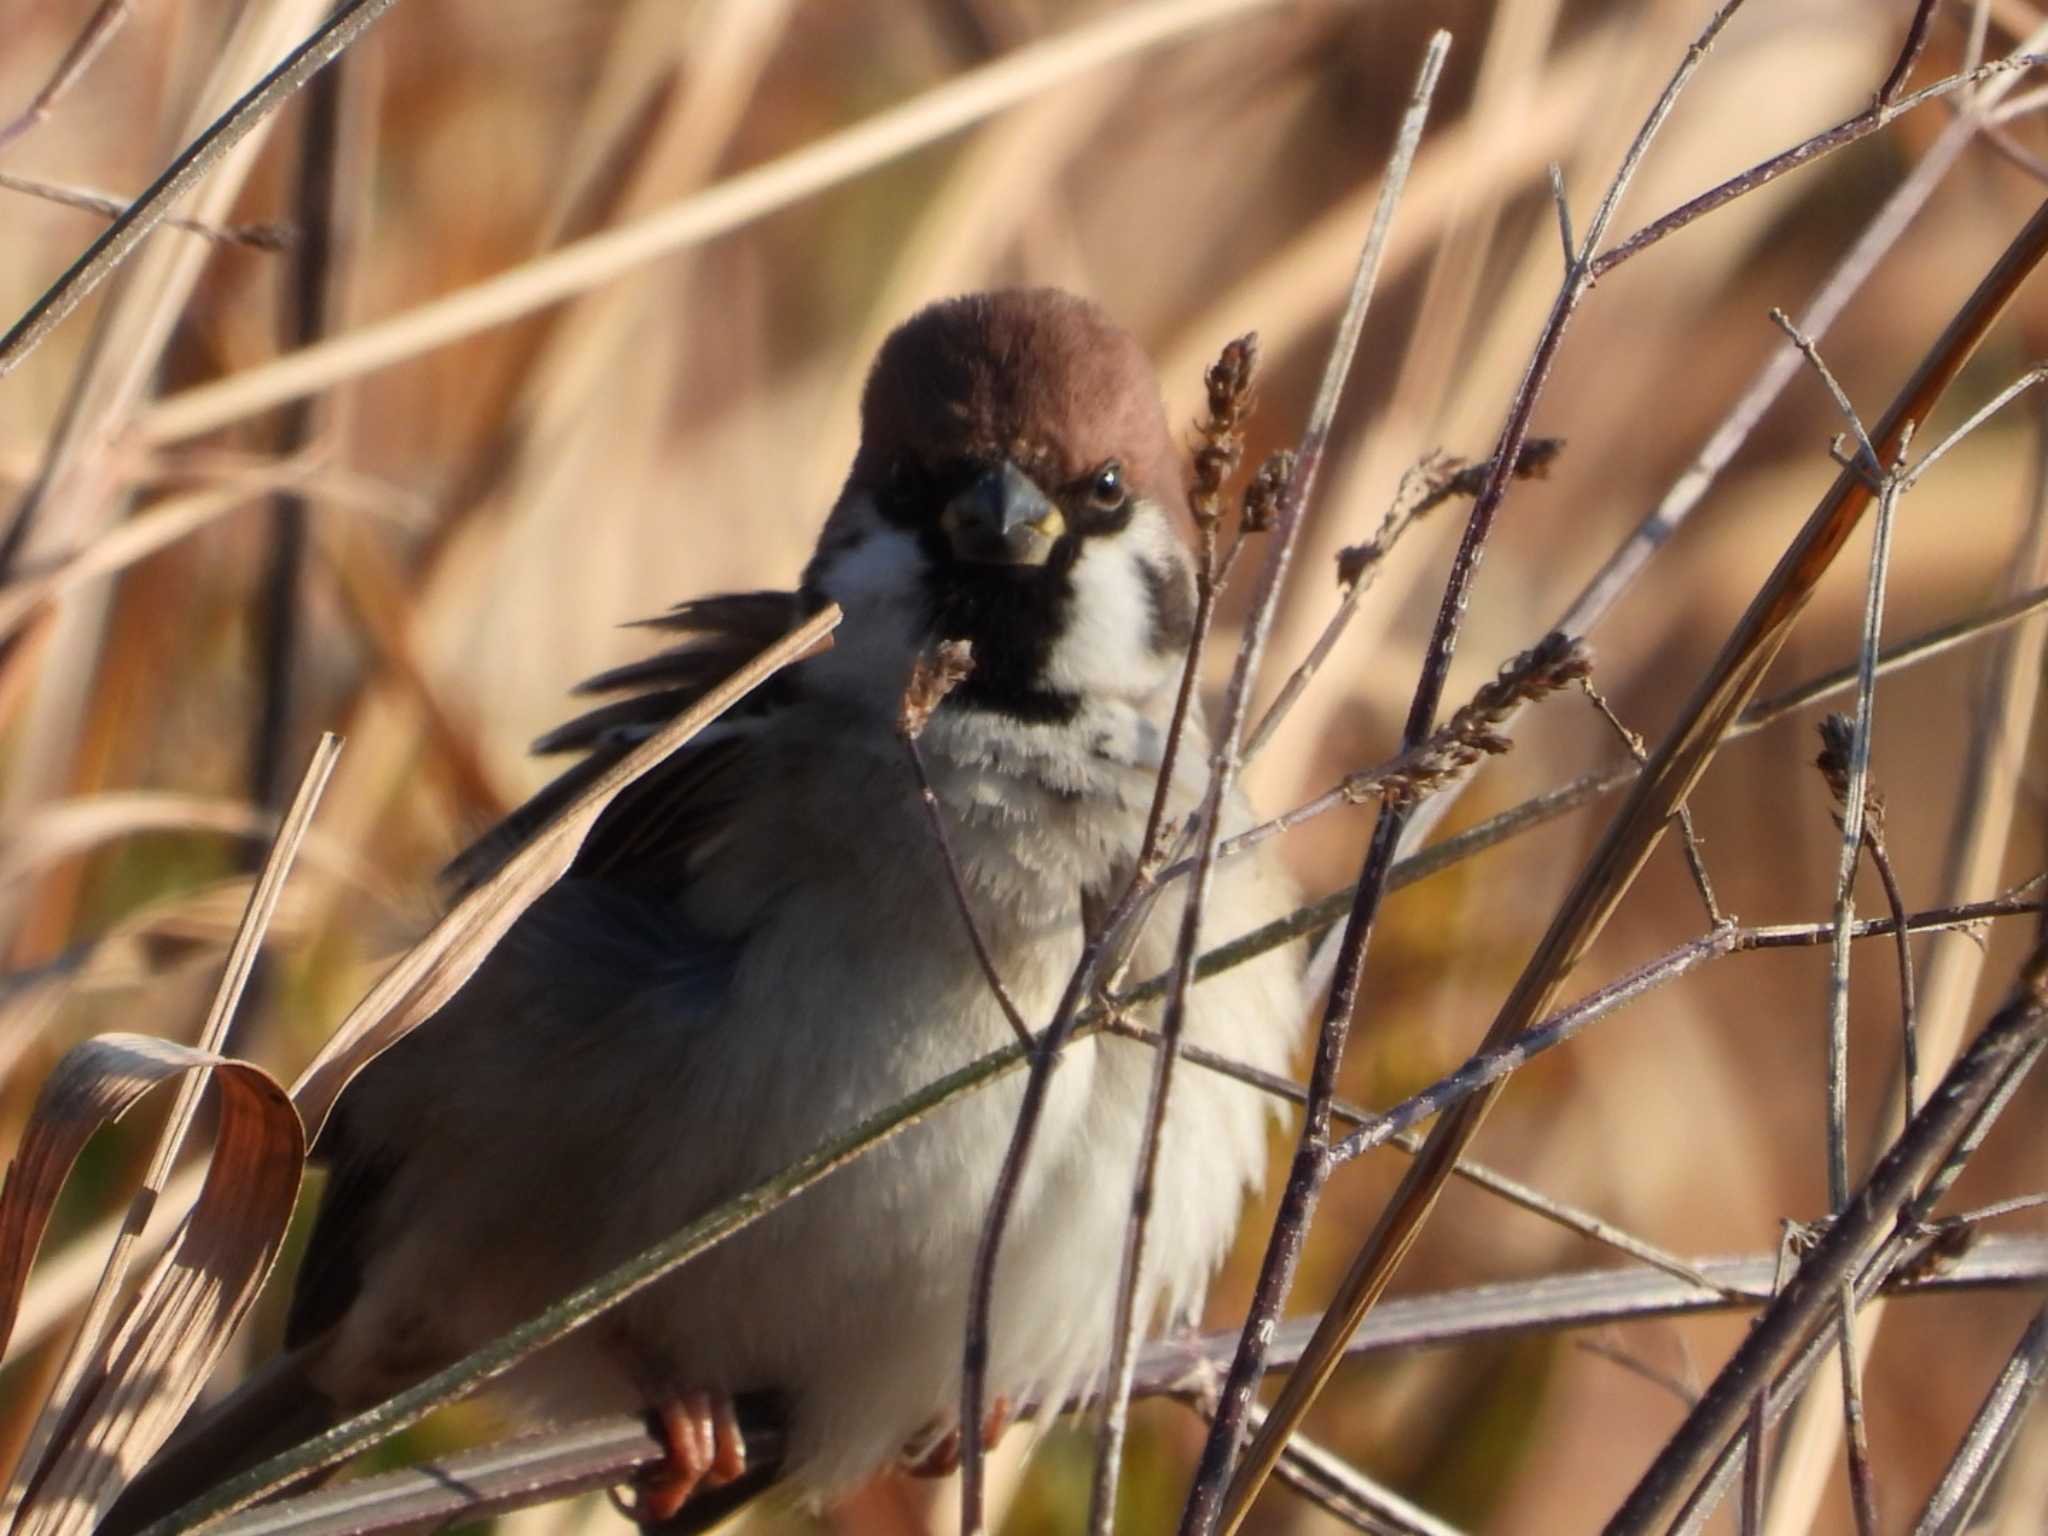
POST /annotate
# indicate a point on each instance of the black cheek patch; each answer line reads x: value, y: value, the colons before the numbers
x: 1013, y: 619
x: 1172, y: 602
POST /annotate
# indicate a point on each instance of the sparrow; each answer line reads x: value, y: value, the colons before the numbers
x: 759, y: 945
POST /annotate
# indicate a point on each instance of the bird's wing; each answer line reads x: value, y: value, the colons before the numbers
x: 588, y: 959
x: 668, y: 809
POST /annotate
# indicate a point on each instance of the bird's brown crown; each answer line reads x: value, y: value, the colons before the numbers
x: 1034, y: 376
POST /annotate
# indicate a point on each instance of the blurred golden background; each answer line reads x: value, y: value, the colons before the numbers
x: 489, y: 485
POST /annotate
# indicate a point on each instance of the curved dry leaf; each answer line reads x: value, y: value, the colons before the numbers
x: 173, y: 1333
x: 64, y: 1282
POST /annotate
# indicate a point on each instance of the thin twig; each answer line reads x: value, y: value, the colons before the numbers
x: 1210, y: 1508
x: 1909, y: 54
x: 257, y: 237
x: 1862, y: 1480
x: 1855, y: 775
x: 1564, y: 214
x: 1998, y: 402
x: 1231, y: 382
x: 1289, y: 516
x: 2002, y: 1050
x: 1990, y: 1436
x: 931, y: 679
x: 147, y: 211
x: 1635, y: 1365
x: 2000, y: 1208
x: 1695, y: 860
x: 1861, y: 126
x: 1837, y: 734
x: 540, y: 1468
x: 1754, y: 1461
x: 1934, y: 642
x: 1204, y: 1501
x: 77, y: 59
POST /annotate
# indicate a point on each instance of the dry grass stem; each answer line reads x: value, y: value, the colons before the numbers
x: 603, y: 1452
x: 570, y: 323
x: 597, y: 259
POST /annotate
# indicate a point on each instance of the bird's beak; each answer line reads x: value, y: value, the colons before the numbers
x: 1003, y: 519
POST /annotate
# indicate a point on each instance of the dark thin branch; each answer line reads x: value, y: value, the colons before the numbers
x: 1231, y: 383
x: 348, y: 22
x: 1210, y: 1507
x: 1688, y: 835
x: 1991, y: 1433
x: 2010, y: 1040
x: 539, y: 1468
x: 1571, y: 1217
x: 1861, y: 126
x: 1909, y: 54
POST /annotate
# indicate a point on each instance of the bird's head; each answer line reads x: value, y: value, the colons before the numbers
x: 1016, y: 488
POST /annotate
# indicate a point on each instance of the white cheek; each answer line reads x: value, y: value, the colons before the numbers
x: 876, y: 583
x: 1106, y: 649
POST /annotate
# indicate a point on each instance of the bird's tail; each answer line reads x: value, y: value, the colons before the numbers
x: 272, y: 1411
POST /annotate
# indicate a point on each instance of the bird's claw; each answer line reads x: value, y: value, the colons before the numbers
x: 700, y: 1432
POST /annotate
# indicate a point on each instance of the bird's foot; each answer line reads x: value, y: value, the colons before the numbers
x: 701, y: 1434
x: 942, y: 1458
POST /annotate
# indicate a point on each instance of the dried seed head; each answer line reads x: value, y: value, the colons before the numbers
x: 934, y: 675
x: 1554, y: 662
x: 1467, y: 477
x: 1230, y: 380
x: 1262, y: 496
x: 1837, y: 743
x: 1220, y: 435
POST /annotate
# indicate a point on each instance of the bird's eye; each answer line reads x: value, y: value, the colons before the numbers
x: 1106, y: 490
